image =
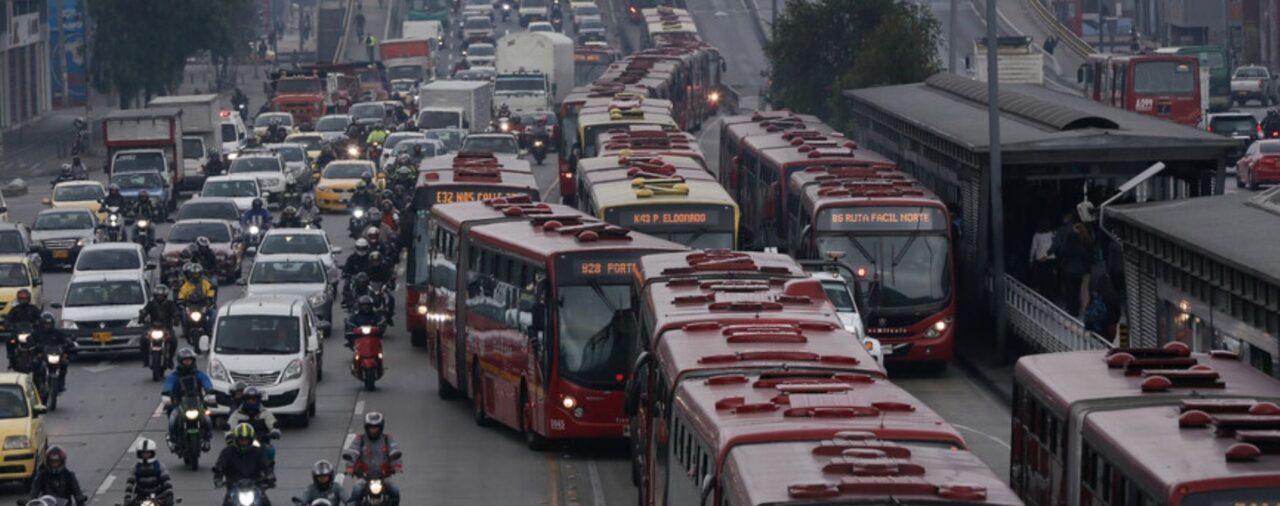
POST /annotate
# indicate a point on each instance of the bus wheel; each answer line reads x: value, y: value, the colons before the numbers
x: 477, y: 389
x: 532, y: 439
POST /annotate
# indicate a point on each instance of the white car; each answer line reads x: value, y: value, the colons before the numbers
x: 242, y: 189
x: 478, y: 8
x: 100, y: 311
x: 480, y: 54
x: 541, y: 26
x: 269, y: 342
x: 333, y: 126
x: 267, y: 166
x: 846, y: 304
x: 112, y: 257
x: 302, y: 241
x: 389, y: 146
x: 266, y: 119
x: 302, y: 275
x: 234, y: 134
x: 584, y: 10
x: 477, y: 28
x: 296, y: 165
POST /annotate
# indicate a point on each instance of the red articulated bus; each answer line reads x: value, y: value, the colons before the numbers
x: 1144, y: 426
x: 542, y: 321
x: 894, y: 235
x: 471, y: 178
x: 855, y: 468
x: 1162, y: 85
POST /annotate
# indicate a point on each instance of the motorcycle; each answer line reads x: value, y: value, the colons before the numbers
x: 196, y: 321
x: 246, y: 493
x: 366, y: 360
x: 539, y: 148
x: 23, y: 347
x: 243, y: 109
x: 159, y: 351
x: 48, y: 377
x: 376, y: 491
x: 113, y: 227
x: 502, y: 124
x: 187, y: 442
x: 358, y: 222
x: 291, y: 196
x: 144, y: 233
x: 506, y: 11
x: 151, y: 499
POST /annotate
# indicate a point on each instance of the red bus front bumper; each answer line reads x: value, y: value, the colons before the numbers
x: 922, y: 342
x: 600, y: 414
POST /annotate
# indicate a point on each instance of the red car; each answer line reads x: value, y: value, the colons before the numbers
x: 1260, y: 165
x: 226, y: 245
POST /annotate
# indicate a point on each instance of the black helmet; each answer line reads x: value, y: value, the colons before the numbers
x: 257, y: 203
x: 360, y: 279
x: 237, y: 389
x: 47, y: 321
x: 143, y: 195
x: 55, y: 457
x: 387, y: 205
x: 365, y: 303
x: 322, y: 473
x: 160, y: 293
x: 367, y: 177
x: 186, y: 359
x: 290, y: 211
x: 252, y: 399
x: 374, y: 420
x: 202, y: 242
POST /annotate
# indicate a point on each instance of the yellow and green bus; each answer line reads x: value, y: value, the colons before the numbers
x: 695, y: 212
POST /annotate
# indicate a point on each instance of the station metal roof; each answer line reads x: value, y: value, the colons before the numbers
x: 1037, y: 125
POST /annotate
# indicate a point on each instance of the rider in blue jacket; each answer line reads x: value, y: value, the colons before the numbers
x: 257, y: 215
x: 186, y: 381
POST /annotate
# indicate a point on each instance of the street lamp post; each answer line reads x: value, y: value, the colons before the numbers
x: 996, y: 183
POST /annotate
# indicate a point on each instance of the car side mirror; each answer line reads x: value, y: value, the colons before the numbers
x: 348, y: 455
x: 4, y: 209
x: 251, y: 250
x: 37, y: 282
x: 337, y: 250
x: 241, y: 282
x: 56, y: 305
x: 203, y: 344
x: 151, y: 267
x: 631, y: 393
x: 39, y: 409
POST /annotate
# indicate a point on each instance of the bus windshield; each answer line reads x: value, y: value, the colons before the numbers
x: 909, y: 271
x: 595, y: 323
x: 1163, y: 78
x: 1233, y: 497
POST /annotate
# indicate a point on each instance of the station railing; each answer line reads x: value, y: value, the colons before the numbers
x: 1043, y: 325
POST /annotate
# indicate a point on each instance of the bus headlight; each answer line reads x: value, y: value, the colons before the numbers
x: 938, y: 328
x: 422, y: 309
x: 569, y: 402
x: 714, y: 97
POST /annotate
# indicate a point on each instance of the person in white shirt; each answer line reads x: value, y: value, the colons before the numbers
x: 1043, y: 262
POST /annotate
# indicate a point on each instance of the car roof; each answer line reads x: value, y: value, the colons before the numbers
x: 10, y: 225
x: 14, y: 378
x: 58, y: 210
x: 231, y: 177
x: 286, y: 257
x: 278, y: 145
x: 346, y: 116
x: 296, y: 231
x: 112, y: 246
x: 407, y: 135
x: 200, y: 221
x: 91, y: 276
x: 78, y: 183
x: 268, y: 304
x: 1232, y: 113
x: 209, y: 200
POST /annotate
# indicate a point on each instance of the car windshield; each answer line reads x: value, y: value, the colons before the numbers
x: 265, y: 120
x: 254, y: 164
x: 452, y: 139
x: 907, y: 270
x: 591, y: 24
x: 839, y: 296
x: 437, y: 119
x: 11, y: 243
x: 63, y: 221
x: 192, y: 148
x: 395, y: 139
x: 1269, y: 147
x: 360, y: 111
x: 291, y: 153
x: 412, y: 72
x: 428, y: 148
x: 494, y: 144
x: 595, y: 324
x: 298, y: 86
x: 78, y: 192
x: 188, y: 232
x: 137, y: 181
x: 1228, y: 125
x: 257, y: 335
x: 479, y: 3
x: 477, y: 23
x: 1251, y: 73
x: 128, y: 162
x: 196, y: 210
x: 587, y: 10
x: 309, y: 272
x: 12, y: 275
x: 310, y: 244
x: 539, y: 27
x: 13, y: 402
x: 108, y: 260
x: 333, y: 123
x: 518, y: 85
x: 246, y: 188
x: 1163, y: 78
x: 312, y: 143
x: 105, y: 293
x: 346, y: 170
x: 480, y: 50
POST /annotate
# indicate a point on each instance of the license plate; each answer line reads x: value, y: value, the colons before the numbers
x: 102, y: 337
x: 61, y: 253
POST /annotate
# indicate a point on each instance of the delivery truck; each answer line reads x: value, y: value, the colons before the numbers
x: 201, y: 126
x: 455, y: 104
x: 1018, y: 61
x: 525, y: 59
x: 407, y: 60
x: 144, y: 140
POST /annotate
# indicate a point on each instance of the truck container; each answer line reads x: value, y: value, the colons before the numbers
x: 407, y: 59
x: 331, y: 18
x: 455, y: 104
x: 139, y: 132
x: 1018, y: 61
x: 523, y: 53
x: 201, y: 126
x: 430, y: 29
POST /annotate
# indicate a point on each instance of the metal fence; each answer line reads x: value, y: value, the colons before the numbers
x: 1043, y: 325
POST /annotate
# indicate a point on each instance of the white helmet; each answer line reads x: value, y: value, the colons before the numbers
x: 146, y: 446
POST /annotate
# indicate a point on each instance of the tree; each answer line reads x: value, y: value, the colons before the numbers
x: 820, y: 48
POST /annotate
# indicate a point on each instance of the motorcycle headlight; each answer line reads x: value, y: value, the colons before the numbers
x: 366, y: 329
x: 375, y: 487
x: 22, y: 338
x: 218, y: 372
x: 358, y: 213
x: 114, y: 219
x: 17, y: 443
x: 157, y: 334
x: 195, y: 316
x: 294, y: 370
x: 142, y: 223
x: 192, y: 414
x: 506, y: 7
x: 422, y: 309
x: 55, y: 359
x: 245, y: 497
x: 253, y: 230
x: 148, y: 502
x: 505, y: 126
x: 353, y: 151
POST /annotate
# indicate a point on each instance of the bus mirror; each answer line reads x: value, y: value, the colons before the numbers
x: 707, y: 488
x: 631, y: 394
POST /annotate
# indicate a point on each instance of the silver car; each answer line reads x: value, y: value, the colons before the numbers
x: 303, y: 241
x: 301, y: 275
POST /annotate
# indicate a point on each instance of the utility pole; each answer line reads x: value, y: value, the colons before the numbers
x: 996, y: 183
x: 951, y: 39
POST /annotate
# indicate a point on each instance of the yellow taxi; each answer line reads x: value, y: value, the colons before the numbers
x: 17, y: 273
x: 338, y: 182
x: 78, y: 195
x: 21, y: 425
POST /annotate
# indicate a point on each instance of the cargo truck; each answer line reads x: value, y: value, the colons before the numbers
x: 534, y: 71
x: 201, y: 126
x: 429, y: 29
x: 455, y: 104
x: 1018, y: 61
x: 407, y: 60
x: 144, y: 140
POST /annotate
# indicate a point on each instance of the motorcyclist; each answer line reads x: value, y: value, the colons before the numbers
x: 390, y: 215
x: 382, y: 271
x: 1271, y: 123
x: 204, y: 255
x: 186, y: 381
x: 241, y: 460
x: 47, y: 334
x: 22, y: 313
x: 116, y: 200
x: 401, y: 115
x: 257, y: 215
x: 322, y: 485
x: 308, y: 212
x: 289, y: 218
x: 238, y: 97
x: 401, y: 197
x: 373, y: 455
x: 328, y: 153
x: 357, y: 263
x: 374, y: 236
x: 195, y: 288
x: 237, y: 396
x: 253, y: 413
x: 276, y: 132
x: 149, y: 477
x: 214, y: 166
x: 365, y: 315
x: 78, y: 169
x: 53, y: 478
x: 363, y: 197
x: 66, y: 173
x: 158, y: 311
x: 144, y: 208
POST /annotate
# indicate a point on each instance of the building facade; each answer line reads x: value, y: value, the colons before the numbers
x: 25, y: 89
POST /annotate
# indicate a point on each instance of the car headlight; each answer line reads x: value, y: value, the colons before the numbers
x: 67, y: 324
x: 253, y: 230
x: 142, y: 223
x: 17, y: 443
x: 245, y: 497
x: 192, y: 414
x: 79, y: 243
x: 317, y: 299
x: 218, y: 372
x: 294, y: 371
x: 375, y: 487
x: 157, y: 334
x: 55, y: 359
x: 273, y: 181
x: 938, y: 328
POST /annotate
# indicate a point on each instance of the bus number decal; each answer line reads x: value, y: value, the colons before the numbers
x: 1145, y: 104
x: 557, y: 424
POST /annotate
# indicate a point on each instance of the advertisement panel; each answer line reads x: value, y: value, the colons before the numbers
x: 66, y: 41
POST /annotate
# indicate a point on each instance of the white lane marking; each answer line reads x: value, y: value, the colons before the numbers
x: 359, y: 407
x: 351, y: 436
x: 597, y: 488
x: 159, y: 410
x: 106, y: 484
x: 994, y: 439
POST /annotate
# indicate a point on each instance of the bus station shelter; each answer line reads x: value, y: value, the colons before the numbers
x: 1205, y: 272
x: 1057, y: 150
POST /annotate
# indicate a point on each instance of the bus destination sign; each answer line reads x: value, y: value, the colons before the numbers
x: 883, y: 218
x: 670, y: 216
x: 455, y: 195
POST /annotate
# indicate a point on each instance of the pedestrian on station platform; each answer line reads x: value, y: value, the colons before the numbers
x: 1044, y: 265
